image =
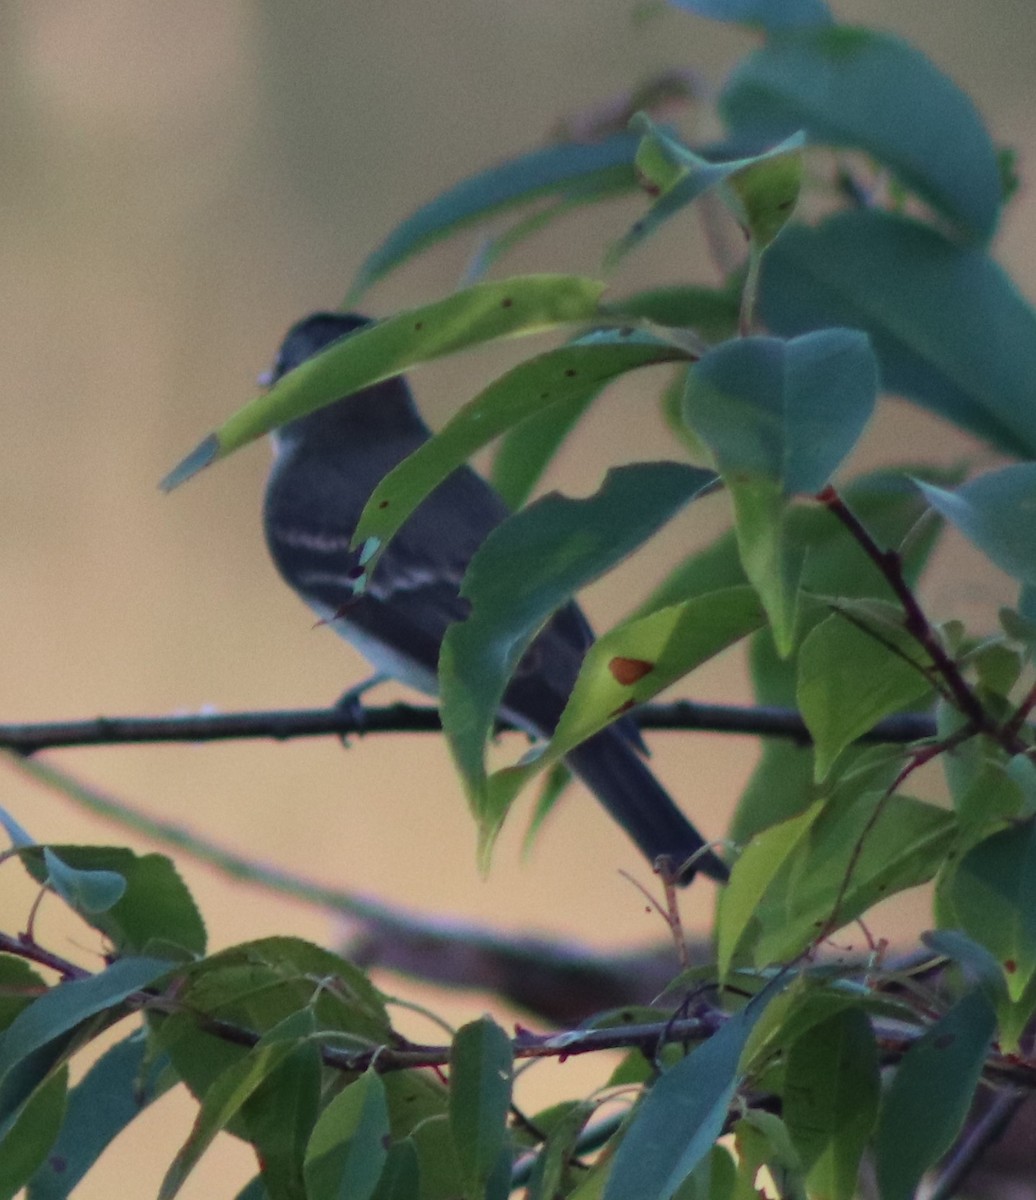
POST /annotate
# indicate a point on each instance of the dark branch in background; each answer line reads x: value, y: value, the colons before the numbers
x: 284, y: 725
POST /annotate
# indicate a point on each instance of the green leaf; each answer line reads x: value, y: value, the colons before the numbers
x: 483, y: 313
x: 572, y: 373
x: 440, y: 1171
x: 851, y: 87
x: 629, y: 665
x: 994, y: 512
x: 347, y: 1152
x: 931, y: 308
x: 902, y: 846
x: 119, y: 1086
x: 155, y: 912
x: 786, y: 411
x: 770, y: 14
x: 525, y: 570
x: 88, y: 892
x: 754, y: 871
x: 993, y: 894
x: 33, y: 1133
x: 590, y: 169
x: 849, y: 678
x: 682, y: 176
x: 676, y: 1123
x: 712, y: 311
x: 771, y: 561
x: 62, y: 1008
x: 930, y: 1096
x: 278, y: 1119
x: 232, y: 1088
x: 761, y: 1141
x: 481, y: 1077
x: 526, y: 450
x: 831, y: 1091
x: 401, y: 1174
x: 553, y: 1172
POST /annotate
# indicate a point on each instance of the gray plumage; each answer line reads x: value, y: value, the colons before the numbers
x: 325, y: 467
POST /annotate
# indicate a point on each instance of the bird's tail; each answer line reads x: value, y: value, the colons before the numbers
x: 620, y: 779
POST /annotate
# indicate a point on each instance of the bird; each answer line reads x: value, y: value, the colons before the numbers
x: 325, y: 466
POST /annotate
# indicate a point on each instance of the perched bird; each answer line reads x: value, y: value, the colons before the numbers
x: 325, y: 467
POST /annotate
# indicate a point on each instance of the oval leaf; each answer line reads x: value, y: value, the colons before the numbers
x: 931, y: 308
x: 348, y: 1149
x: 788, y: 411
x: 481, y: 1077
x: 995, y: 512
x: 851, y: 87
x: 930, y: 1096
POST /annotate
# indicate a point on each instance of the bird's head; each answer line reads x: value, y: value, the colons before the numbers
x: 308, y: 337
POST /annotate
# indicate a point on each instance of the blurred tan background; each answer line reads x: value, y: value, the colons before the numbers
x: 181, y: 182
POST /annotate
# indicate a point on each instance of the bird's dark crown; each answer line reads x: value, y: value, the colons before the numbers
x: 311, y: 335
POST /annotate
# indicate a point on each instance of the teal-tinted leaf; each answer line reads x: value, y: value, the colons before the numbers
x: 482, y: 313
x: 770, y: 14
x: 401, y: 1174
x: 574, y: 373
x: 789, y: 411
x: 523, y: 572
x: 771, y: 561
x: 980, y: 966
x: 155, y: 912
x: 598, y: 168
x: 347, y: 1151
x: 63, y: 1008
x: 279, y: 1117
x: 225, y: 1098
x: 995, y: 511
x: 851, y: 87
x: 19, y: 838
x: 680, y: 1118
x: 88, y: 892
x: 32, y: 1134
x: 930, y: 1095
x: 993, y: 894
x: 685, y: 177
x: 831, y: 1091
x: 121, y: 1084
x: 948, y: 326
x: 849, y: 678
x: 481, y: 1076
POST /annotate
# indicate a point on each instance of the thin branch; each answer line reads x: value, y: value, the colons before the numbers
x: 916, y: 623
x: 285, y: 725
x: 971, y: 1149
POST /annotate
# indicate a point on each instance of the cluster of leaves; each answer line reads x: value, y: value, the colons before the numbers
x: 885, y: 283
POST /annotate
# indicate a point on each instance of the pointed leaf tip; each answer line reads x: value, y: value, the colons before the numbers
x: 205, y: 453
